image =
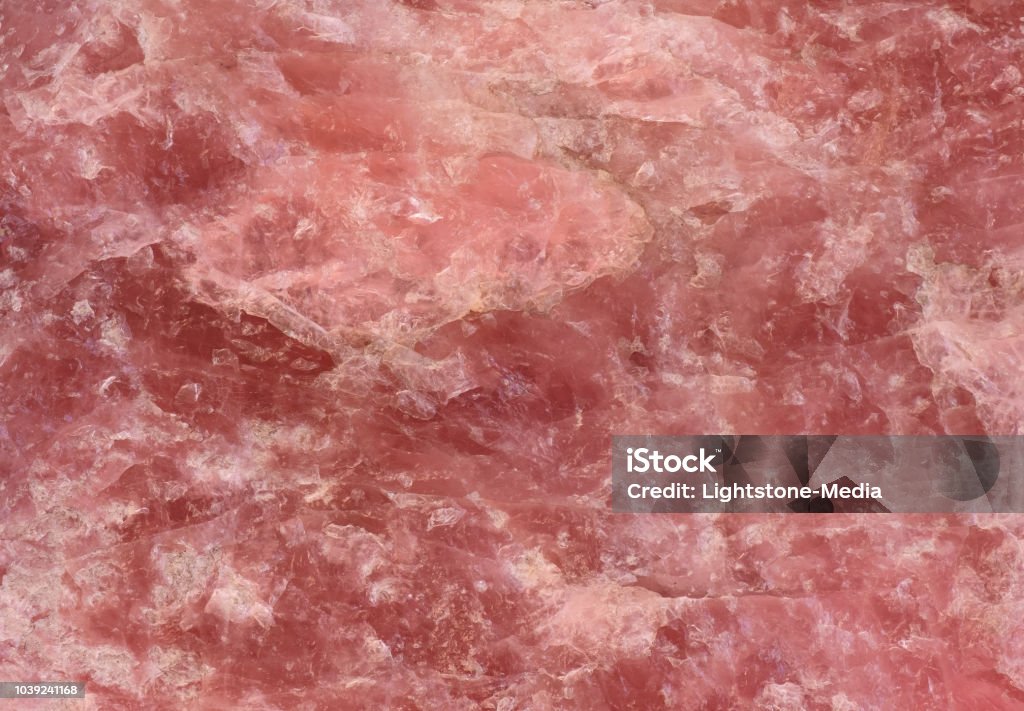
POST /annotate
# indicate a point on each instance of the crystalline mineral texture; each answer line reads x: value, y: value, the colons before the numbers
x: 317, y: 316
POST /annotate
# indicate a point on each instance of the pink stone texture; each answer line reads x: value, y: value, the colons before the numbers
x: 317, y: 317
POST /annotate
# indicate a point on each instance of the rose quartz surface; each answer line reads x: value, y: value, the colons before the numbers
x: 317, y: 317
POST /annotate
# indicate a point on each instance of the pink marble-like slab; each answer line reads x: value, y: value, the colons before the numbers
x: 317, y: 317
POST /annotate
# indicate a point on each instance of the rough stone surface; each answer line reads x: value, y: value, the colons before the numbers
x: 316, y: 317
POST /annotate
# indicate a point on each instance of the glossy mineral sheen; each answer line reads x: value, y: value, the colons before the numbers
x: 317, y: 318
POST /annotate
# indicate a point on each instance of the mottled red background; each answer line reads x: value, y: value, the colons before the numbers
x: 317, y: 317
